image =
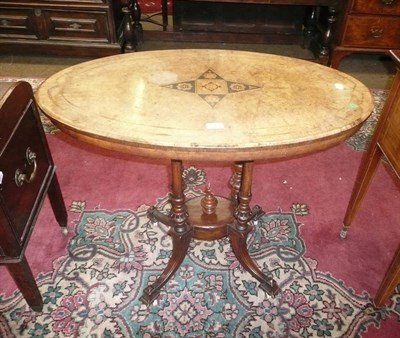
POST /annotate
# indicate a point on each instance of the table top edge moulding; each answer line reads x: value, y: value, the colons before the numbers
x: 193, y: 104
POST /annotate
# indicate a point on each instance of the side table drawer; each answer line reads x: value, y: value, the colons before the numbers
x: 379, y: 7
x: 85, y: 25
x: 53, y: 24
x: 17, y: 23
x: 372, y: 32
x: 20, y: 198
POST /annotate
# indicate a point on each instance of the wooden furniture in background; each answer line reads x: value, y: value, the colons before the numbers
x: 250, y: 20
x: 27, y: 174
x: 385, y: 141
x: 366, y: 26
x: 303, y: 22
x: 207, y: 105
x: 78, y: 27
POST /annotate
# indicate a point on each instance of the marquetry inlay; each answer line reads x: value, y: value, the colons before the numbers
x: 211, y: 87
x: 212, y: 104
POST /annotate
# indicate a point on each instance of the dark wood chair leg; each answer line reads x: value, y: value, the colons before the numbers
x: 22, y: 275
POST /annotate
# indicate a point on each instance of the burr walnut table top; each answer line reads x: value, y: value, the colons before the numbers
x: 219, y: 105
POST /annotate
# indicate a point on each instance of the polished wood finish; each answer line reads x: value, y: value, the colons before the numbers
x: 241, y: 227
x: 207, y: 105
x: 203, y: 223
x: 219, y: 105
x: 366, y: 27
x: 385, y: 141
x: 180, y: 231
x: 77, y: 28
x: 24, y: 182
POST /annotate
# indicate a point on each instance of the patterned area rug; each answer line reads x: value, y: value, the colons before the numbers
x: 94, y: 290
x: 360, y: 140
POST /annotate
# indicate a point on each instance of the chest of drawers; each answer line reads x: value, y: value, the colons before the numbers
x: 367, y: 26
x: 69, y: 27
x: 27, y: 174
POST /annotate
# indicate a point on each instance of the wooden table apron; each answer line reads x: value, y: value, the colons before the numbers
x: 207, y: 105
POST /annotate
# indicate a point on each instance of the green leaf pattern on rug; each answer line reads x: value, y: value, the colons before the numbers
x: 96, y: 288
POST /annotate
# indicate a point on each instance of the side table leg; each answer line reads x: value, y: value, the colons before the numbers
x: 236, y: 181
x: 180, y: 245
x: 22, y: 275
x: 180, y: 232
x: 57, y: 204
x: 239, y: 230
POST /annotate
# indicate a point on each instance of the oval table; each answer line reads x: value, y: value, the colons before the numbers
x: 207, y: 105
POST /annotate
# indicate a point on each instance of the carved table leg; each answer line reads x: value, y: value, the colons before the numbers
x: 310, y: 29
x: 180, y: 232
x: 328, y: 35
x: 137, y: 26
x: 127, y: 31
x: 131, y: 28
x: 317, y: 39
x: 239, y: 230
x: 236, y: 181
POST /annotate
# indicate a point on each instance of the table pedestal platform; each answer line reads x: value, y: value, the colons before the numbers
x: 209, y: 218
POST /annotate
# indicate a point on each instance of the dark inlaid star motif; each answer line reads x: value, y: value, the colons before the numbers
x: 211, y: 87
